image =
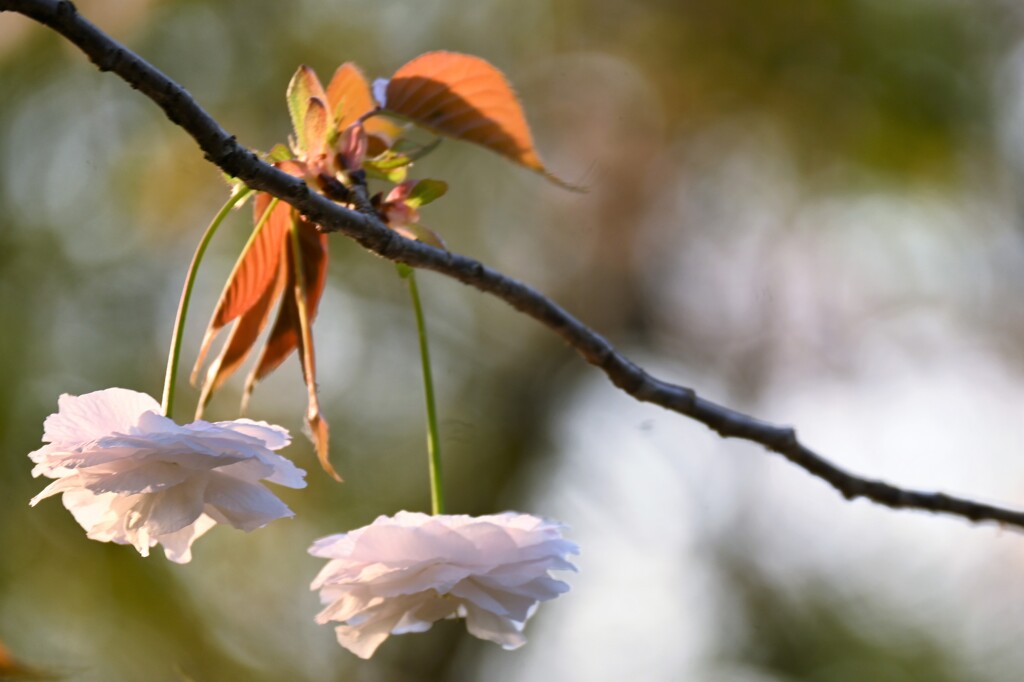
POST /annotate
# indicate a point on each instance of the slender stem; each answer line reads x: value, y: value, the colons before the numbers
x: 433, y: 433
x: 174, y: 355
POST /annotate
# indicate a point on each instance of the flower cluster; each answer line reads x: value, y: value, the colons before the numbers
x: 132, y: 476
x: 402, y: 573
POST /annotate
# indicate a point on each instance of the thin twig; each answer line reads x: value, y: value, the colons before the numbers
x: 221, y: 149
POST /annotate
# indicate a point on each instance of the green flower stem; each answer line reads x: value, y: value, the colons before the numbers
x: 174, y: 356
x: 433, y: 433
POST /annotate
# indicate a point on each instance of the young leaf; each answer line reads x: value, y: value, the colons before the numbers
x: 316, y: 127
x: 392, y: 174
x: 389, y: 160
x: 240, y: 341
x: 467, y: 98
x: 415, y: 150
x: 255, y: 271
x: 279, y: 152
x: 422, y: 234
x: 306, y: 251
x: 348, y: 96
x: 425, y: 191
x: 303, y: 87
x: 285, y: 335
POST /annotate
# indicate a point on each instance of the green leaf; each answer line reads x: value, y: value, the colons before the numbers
x: 425, y: 191
x: 414, y: 150
x: 389, y: 160
x: 388, y: 166
x: 422, y: 234
x: 303, y: 87
x: 392, y: 165
x: 280, y: 152
x: 396, y: 176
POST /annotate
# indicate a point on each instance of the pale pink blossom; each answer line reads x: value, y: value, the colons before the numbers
x: 132, y: 476
x: 402, y: 573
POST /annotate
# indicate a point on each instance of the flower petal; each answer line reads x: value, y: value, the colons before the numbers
x: 407, y: 571
x: 271, y: 436
x: 89, y: 509
x: 498, y: 602
x: 440, y: 577
x: 363, y: 639
x: 244, y: 505
x: 286, y: 473
x: 347, y: 605
x: 426, y: 613
x: 169, y: 510
x: 178, y: 545
x: 148, y: 477
x: 493, y: 628
x: 83, y: 418
x: 58, y: 486
x: 131, y: 476
x: 390, y: 544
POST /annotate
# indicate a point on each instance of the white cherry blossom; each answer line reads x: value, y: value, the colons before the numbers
x: 132, y: 476
x: 401, y: 574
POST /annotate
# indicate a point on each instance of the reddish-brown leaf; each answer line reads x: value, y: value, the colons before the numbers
x: 349, y: 97
x: 285, y: 334
x: 320, y: 432
x: 239, y: 344
x: 318, y: 429
x: 255, y: 271
x: 467, y: 98
x: 256, y: 267
x: 292, y: 330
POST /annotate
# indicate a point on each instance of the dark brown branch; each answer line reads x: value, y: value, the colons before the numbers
x: 224, y: 151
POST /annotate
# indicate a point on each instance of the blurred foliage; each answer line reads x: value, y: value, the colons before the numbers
x: 824, y: 634
x: 899, y: 89
x: 694, y: 122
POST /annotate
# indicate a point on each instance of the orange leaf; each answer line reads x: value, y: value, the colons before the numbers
x: 292, y: 329
x: 348, y: 96
x: 285, y: 334
x: 255, y: 271
x: 467, y: 98
x: 316, y: 127
x: 318, y: 429
x: 240, y: 342
x: 309, y: 285
x: 321, y: 434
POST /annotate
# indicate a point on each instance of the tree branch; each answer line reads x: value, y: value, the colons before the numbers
x: 221, y: 149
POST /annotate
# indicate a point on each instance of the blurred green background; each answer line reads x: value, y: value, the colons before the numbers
x: 808, y: 210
